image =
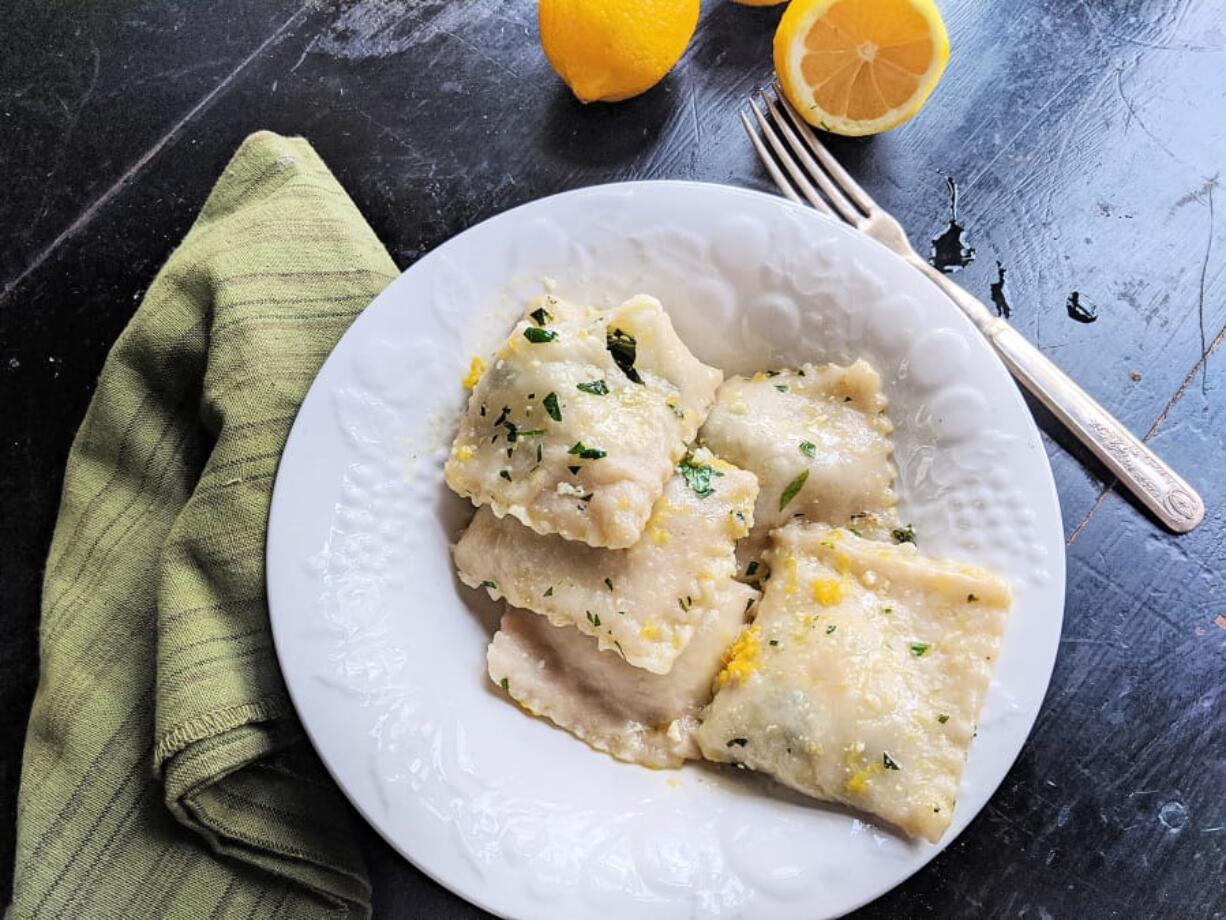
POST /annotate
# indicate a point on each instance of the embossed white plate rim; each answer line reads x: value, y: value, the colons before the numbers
x: 333, y: 709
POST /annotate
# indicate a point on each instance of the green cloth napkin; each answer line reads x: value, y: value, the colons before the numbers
x: 165, y: 773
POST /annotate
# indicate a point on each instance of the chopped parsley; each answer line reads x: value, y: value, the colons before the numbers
x: 549, y: 591
x: 749, y: 603
x: 535, y: 432
x: 505, y: 684
x: 697, y: 475
x: 583, y: 452
x: 539, y: 453
x: 781, y: 387
x: 888, y: 762
x: 593, y: 618
x: 574, y: 470
x: 541, y: 316
x: 774, y: 642
x: 887, y: 609
x: 739, y: 742
x: 830, y: 629
x: 808, y: 448
x: 490, y: 584
x: 624, y: 350
x: 505, y: 474
x: 792, y: 489
x: 904, y: 534
x: 918, y: 648
x: 538, y: 336
x: 677, y: 410
x: 942, y: 718
x: 609, y: 583
x: 596, y: 388
x: 502, y: 416
x: 551, y: 406
x: 971, y: 598
x: 751, y: 569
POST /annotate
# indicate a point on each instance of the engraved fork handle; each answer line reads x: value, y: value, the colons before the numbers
x: 1175, y: 503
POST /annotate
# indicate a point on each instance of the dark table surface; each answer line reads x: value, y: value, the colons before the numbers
x: 1085, y: 137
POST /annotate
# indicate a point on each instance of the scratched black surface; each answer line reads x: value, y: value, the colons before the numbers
x: 1085, y: 138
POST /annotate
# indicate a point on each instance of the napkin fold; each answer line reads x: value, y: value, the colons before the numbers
x: 165, y: 774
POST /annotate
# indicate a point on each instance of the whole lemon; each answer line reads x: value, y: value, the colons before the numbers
x: 609, y: 50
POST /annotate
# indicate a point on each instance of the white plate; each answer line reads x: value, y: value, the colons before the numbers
x: 384, y: 651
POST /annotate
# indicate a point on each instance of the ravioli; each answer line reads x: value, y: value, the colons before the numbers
x: 632, y: 714
x: 862, y: 676
x: 640, y: 602
x: 578, y: 423
x: 818, y: 439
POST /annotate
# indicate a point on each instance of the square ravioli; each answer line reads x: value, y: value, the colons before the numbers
x: 817, y: 438
x: 639, y: 601
x: 862, y: 676
x: 632, y: 714
x: 578, y: 423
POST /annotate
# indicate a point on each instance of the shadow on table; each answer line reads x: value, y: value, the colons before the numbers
x: 604, y: 134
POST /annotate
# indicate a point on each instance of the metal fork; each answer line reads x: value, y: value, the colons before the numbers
x: 817, y: 178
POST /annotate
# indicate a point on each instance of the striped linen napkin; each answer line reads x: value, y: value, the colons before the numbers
x: 165, y: 774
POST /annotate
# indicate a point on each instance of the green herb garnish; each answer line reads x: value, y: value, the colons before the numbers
x: 942, y: 718
x: 596, y: 388
x: 592, y: 618
x: 904, y: 534
x: 918, y: 648
x: 751, y: 569
x: 574, y: 470
x: 624, y: 350
x: 888, y: 762
x: 697, y: 475
x: 774, y: 642
x: 584, y: 452
x: 551, y: 406
x: 831, y: 628
x: 505, y: 684
x: 793, y: 488
x: 808, y: 448
x: 490, y: 584
x: 971, y: 598
x: 505, y: 474
x: 549, y: 591
x: 609, y: 583
x: 539, y: 336
x: 541, y: 316
x: 781, y: 387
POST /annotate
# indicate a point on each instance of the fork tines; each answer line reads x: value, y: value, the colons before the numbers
x: 800, y: 164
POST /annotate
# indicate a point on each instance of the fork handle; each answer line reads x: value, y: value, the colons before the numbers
x: 1156, y: 485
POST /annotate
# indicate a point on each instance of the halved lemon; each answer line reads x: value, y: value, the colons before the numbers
x: 860, y: 66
